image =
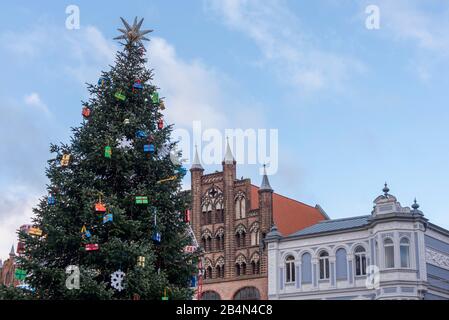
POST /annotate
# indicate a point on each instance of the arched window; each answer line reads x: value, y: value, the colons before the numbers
x: 405, y: 252
x: 219, y: 240
x: 306, y: 268
x: 219, y: 267
x: 324, y: 265
x: 341, y: 264
x: 206, y: 215
x: 240, y: 236
x: 247, y: 293
x: 255, y: 234
x: 219, y: 212
x: 208, y: 269
x: 210, y: 295
x: 389, y: 253
x: 240, y: 206
x: 290, y: 269
x: 255, y: 263
x: 206, y: 239
x: 240, y: 266
x: 360, y: 261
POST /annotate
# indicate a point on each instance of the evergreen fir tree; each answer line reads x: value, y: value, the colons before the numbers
x: 112, y: 162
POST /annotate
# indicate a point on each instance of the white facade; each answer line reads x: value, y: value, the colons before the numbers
x: 380, y: 256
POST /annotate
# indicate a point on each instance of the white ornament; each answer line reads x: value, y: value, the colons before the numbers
x: 117, y: 279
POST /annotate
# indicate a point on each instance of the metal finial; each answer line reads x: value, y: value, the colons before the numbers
x: 415, y: 205
x: 386, y: 189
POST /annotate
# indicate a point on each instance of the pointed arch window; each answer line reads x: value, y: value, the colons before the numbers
x: 240, y: 236
x: 240, y: 206
x: 255, y: 234
x: 219, y: 267
x: 219, y: 211
x: 255, y: 263
x: 219, y: 240
x: 240, y: 266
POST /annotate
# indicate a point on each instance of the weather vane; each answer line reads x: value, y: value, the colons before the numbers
x: 133, y: 33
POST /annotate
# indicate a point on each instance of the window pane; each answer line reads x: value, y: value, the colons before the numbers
x: 389, y: 257
x: 357, y: 265
x: 405, y: 259
x: 363, y: 265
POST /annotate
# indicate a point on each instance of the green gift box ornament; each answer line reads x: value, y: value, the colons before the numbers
x: 120, y: 96
x: 141, y: 200
x: 20, y: 274
x: 155, y: 97
x: 108, y: 152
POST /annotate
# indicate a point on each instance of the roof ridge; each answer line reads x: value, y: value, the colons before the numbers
x: 288, y: 198
x: 343, y: 219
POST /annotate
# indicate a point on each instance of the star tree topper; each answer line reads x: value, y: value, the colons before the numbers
x: 133, y: 33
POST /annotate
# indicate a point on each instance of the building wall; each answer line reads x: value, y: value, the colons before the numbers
x: 394, y: 283
x: 7, y: 273
x: 258, y: 219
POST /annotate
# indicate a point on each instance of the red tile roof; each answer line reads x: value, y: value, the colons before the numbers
x: 289, y: 215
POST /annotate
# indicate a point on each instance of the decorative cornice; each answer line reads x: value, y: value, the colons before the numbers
x: 437, y: 258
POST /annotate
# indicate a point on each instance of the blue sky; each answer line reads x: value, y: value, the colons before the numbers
x: 354, y: 107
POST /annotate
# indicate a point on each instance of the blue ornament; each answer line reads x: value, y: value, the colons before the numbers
x: 182, y: 171
x: 140, y: 134
x: 156, y: 237
x: 102, y: 81
x: 137, y: 85
x: 107, y: 218
x: 51, y: 200
x: 148, y: 148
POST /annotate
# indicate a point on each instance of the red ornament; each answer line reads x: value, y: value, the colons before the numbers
x: 86, y: 112
x: 187, y: 215
x: 99, y: 207
x: 92, y: 247
x: 160, y: 124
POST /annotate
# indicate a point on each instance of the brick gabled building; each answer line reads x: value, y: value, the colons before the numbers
x: 230, y: 218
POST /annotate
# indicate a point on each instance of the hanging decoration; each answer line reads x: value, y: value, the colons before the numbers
x: 162, y: 105
x: 108, y: 152
x: 187, y: 215
x: 116, y: 280
x: 86, y: 112
x: 165, y: 297
x: 140, y: 134
x: 167, y: 179
x: 102, y: 81
x: 136, y: 296
x: 160, y: 124
x: 126, y: 121
x: 137, y: 86
x: 92, y: 247
x: 155, y: 97
x: 156, y: 237
x: 20, y: 247
x: 181, y: 171
x: 141, y: 261
x: 85, y: 233
x: 35, y: 231
x: 189, y: 249
x: 107, y: 218
x: 148, y: 148
x: 120, y: 96
x: 51, y: 200
x: 65, y: 160
x: 141, y: 200
x: 20, y: 274
x: 99, y: 206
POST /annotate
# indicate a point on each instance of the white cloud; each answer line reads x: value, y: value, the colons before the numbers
x: 277, y: 33
x: 193, y: 91
x: 16, y: 205
x: 34, y: 100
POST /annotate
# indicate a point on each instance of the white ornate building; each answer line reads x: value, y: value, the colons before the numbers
x: 393, y: 253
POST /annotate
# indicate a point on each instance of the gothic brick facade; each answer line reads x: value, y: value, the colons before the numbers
x: 7, y: 270
x: 230, y: 218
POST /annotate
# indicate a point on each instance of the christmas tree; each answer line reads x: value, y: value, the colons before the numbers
x: 115, y: 208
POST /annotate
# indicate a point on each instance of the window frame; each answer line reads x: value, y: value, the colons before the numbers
x: 390, y: 246
x: 407, y: 245
x: 290, y: 274
x: 360, y: 259
x: 324, y: 259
